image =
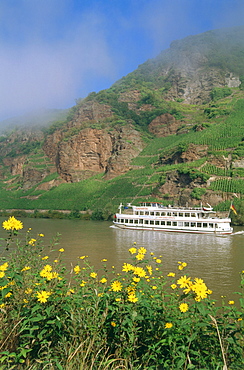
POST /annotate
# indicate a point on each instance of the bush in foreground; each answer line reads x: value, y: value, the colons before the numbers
x: 52, y: 318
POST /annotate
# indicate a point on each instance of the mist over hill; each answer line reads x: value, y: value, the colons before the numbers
x: 171, y: 131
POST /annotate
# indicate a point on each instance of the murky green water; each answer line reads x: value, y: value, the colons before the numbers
x: 217, y: 260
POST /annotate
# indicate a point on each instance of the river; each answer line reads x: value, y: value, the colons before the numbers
x: 217, y: 260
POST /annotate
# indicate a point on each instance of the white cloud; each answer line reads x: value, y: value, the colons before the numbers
x: 48, y: 70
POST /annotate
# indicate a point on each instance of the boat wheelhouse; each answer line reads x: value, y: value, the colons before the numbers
x: 154, y: 216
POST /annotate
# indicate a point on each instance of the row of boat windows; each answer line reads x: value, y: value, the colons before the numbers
x: 169, y: 223
x: 175, y: 214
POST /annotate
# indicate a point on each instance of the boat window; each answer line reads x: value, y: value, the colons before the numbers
x: 187, y: 214
x: 187, y: 224
x: 156, y: 222
x: 180, y: 223
x: 215, y: 225
x: 175, y: 214
x: 199, y: 224
x: 136, y: 213
x: 157, y: 213
x: 147, y: 213
x: 162, y: 222
x: 131, y: 221
x: 204, y: 224
x: 168, y: 213
x: 126, y: 221
x: 168, y: 223
x: 162, y: 213
x: 193, y: 215
x: 211, y: 225
x: 121, y: 220
x: 151, y: 222
x: 141, y: 213
x: 146, y: 222
x: 152, y: 213
x: 136, y: 221
x: 181, y: 214
x: 193, y: 224
x: 174, y: 223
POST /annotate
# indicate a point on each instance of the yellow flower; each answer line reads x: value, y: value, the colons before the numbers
x: 142, y: 250
x: 82, y: 257
x: 154, y: 287
x: 139, y: 271
x: 32, y: 242
x: 184, y: 264
x: 113, y: 323
x: 140, y: 257
x: 173, y: 286
x: 28, y: 291
x: 43, y: 296
x: 168, y: 325
x: 12, y: 224
x: 4, y: 266
x: 83, y: 283
x: 25, y: 268
x: 132, y: 250
x: 104, y: 260
x: 8, y: 295
x: 188, y: 288
x: 231, y: 302
x: 116, y: 286
x: 2, y: 274
x: 103, y: 280
x: 136, y: 279
x: 180, y: 267
x: 158, y: 260
x: 61, y: 250
x: 183, y: 281
x: 45, y: 258
x: 172, y: 274
x: 47, y: 268
x: 183, y: 307
x: 117, y: 299
x: 93, y: 275
x: 77, y: 269
x: 127, y: 267
x: 41, y: 235
x: 132, y: 298
x: 149, y: 269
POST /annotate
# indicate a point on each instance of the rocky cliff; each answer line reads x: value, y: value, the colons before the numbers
x: 79, y: 151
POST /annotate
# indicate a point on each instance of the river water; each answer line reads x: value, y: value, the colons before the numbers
x: 218, y: 260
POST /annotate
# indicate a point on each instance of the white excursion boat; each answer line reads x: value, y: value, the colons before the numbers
x: 154, y: 216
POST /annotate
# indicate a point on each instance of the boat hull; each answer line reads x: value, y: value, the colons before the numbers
x: 214, y: 232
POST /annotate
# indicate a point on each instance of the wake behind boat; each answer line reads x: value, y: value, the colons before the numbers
x: 155, y: 216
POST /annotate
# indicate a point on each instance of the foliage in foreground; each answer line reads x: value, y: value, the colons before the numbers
x: 55, y: 318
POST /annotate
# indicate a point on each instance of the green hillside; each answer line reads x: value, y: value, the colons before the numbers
x: 203, y: 158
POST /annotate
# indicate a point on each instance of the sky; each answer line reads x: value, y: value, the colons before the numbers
x: 53, y: 52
